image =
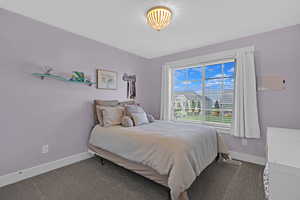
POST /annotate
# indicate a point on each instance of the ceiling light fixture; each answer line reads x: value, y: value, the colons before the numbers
x: 159, y: 17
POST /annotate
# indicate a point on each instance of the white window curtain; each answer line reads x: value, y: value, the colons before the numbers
x: 165, y: 107
x: 245, y: 115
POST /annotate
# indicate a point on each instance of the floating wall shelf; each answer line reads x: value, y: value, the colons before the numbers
x: 60, y: 78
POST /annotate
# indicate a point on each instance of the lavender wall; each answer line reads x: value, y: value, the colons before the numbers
x: 277, y: 53
x: 35, y: 112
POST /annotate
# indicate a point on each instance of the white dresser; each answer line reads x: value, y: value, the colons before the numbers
x: 283, y: 168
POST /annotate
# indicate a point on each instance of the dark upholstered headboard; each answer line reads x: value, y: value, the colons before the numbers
x: 109, y: 103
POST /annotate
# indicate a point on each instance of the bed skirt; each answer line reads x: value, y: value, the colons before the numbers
x: 140, y: 169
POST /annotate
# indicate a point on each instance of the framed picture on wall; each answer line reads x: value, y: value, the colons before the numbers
x: 107, y: 79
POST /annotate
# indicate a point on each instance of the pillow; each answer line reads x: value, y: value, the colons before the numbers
x: 139, y: 118
x: 125, y: 103
x: 112, y: 115
x: 129, y: 109
x: 107, y: 102
x: 127, y: 122
x: 98, y: 113
x: 150, y: 118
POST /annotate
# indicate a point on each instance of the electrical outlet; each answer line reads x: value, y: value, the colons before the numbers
x: 244, y: 142
x: 45, y: 148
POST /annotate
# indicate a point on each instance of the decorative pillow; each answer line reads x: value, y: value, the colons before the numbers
x: 139, y: 118
x: 127, y: 122
x: 112, y: 115
x: 150, y: 117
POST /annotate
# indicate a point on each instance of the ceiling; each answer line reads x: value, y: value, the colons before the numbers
x: 196, y: 23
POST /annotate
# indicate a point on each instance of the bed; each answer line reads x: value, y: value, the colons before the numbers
x: 170, y: 153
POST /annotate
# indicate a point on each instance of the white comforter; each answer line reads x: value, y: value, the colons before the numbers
x: 178, y: 150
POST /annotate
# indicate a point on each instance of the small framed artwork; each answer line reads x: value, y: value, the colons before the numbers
x: 107, y: 79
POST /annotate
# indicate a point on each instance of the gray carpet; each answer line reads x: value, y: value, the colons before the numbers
x: 88, y: 180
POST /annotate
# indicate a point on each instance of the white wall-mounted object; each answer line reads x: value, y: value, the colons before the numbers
x: 45, y: 148
x: 272, y: 83
x: 283, y: 152
x: 284, y: 146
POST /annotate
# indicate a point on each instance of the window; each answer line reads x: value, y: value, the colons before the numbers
x: 204, y: 93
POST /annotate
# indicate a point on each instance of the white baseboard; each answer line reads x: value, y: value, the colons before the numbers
x: 46, y: 167
x: 43, y: 168
x: 248, y: 158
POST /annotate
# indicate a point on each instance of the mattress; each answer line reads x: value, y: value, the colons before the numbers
x: 180, y: 151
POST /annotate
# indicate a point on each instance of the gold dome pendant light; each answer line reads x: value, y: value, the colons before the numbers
x: 159, y: 17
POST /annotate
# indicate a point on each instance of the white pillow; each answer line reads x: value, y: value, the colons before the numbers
x: 139, y: 118
x: 112, y: 115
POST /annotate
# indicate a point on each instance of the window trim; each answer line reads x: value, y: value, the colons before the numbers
x: 165, y: 110
x: 209, y: 59
x: 214, y: 124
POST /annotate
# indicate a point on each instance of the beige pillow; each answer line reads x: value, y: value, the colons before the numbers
x: 139, y: 118
x: 112, y: 115
x: 107, y: 102
x: 98, y: 113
